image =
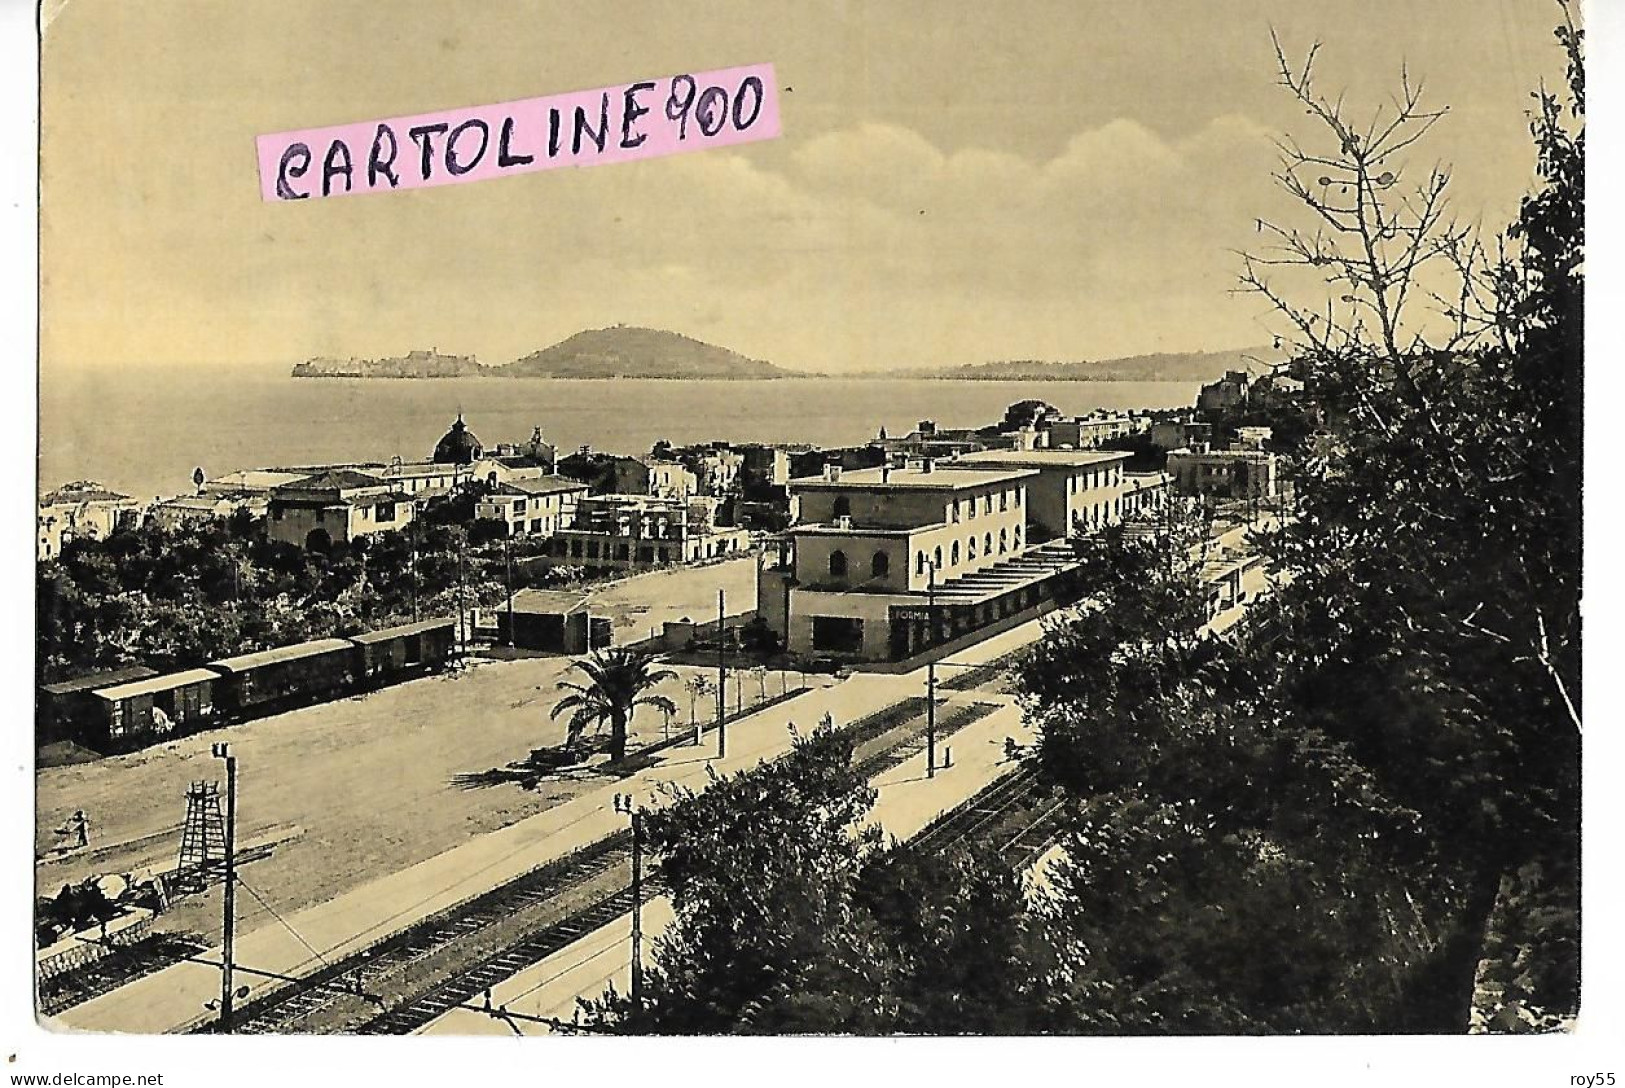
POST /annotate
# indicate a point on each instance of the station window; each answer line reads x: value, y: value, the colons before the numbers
x: 880, y: 565
x: 837, y: 564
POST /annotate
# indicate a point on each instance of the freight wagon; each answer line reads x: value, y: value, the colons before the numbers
x: 287, y: 676
x: 398, y: 652
x: 127, y: 708
x: 138, y: 712
x: 62, y: 710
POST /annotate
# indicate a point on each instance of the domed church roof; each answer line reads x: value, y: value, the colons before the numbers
x: 459, y: 446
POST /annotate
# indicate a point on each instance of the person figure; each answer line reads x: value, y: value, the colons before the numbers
x: 81, y: 826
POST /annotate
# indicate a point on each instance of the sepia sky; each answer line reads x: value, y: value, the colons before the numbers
x: 1053, y: 180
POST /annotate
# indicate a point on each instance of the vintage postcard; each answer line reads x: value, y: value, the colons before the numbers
x: 1050, y: 518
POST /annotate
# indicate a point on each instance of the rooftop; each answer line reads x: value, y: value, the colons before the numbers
x: 244, y: 662
x: 914, y: 477
x: 423, y: 468
x: 545, y: 485
x: 547, y: 602
x: 83, y: 491
x: 255, y: 479
x: 339, y: 479
x: 96, y: 680
x: 826, y: 528
x: 153, y: 684
x: 403, y: 630
x: 1038, y: 458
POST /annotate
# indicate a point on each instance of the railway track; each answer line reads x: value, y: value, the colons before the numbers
x: 1016, y: 813
x: 978, y: 675
x: 410, y: 1015
x: 343, y: 995
x: 344, y: 984
x: 461, y: 989
x: 121, y: 966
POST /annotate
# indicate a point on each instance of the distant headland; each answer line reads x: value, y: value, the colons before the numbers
x: 626, y: 351
x: 622, y: 351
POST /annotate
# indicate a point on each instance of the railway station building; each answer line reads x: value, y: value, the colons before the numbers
x: 1074, y: 490
x: 882, y: 563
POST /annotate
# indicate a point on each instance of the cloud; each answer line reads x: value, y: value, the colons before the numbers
x: 862, y: 247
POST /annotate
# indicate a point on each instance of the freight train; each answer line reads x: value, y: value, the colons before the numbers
x: 135, y: 707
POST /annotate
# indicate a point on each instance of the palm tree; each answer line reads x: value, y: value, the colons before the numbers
x: 618, y: 681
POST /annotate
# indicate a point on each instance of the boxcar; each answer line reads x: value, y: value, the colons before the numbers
x: 397, y: 652
x: 143, y: 711
x: 286, y: 676
x: 69, y: 710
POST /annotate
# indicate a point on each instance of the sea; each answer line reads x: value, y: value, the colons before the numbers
x: 145, y: 430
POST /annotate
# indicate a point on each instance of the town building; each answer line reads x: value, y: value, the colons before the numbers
x: 1072, y: 490
x: 337, y: 505
x: 715, y: 467
x: 552, y: 621
x: 533, y: 507
x: 1229, y: 391
x: 881, y: 563
x: 1178, y: 434
x: 171, y: 514
x: 639, y: 532
x: 255, y: 481
x: 536, y: 454
x: 929, y: 440
x: 1228, y: 474
x: 458, y: 446
x: 1085, y: 432
x: 1145, y: 492
x: 1252, y: 438
x: 767, y: 463
x: 82, y: 510
x: 662, y: 479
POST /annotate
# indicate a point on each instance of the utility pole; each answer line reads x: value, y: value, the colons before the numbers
x: 462, y: 587
x: 223, y: 751
x: 414, y: 561
x: 931, y: 675
x: 722, y: 681
x: 625, y: 804
x: 507, y: 554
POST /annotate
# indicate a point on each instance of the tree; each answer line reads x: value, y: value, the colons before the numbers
x: 617, y: 682
x: 759, y: 866
x: 1202, y: 817
x: 792, y: 916
x: 1431, y: 625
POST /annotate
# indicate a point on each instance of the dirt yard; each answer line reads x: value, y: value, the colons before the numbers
x: 364, y: 786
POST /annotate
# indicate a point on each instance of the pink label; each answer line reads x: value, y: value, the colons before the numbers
x: 584, y: 128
